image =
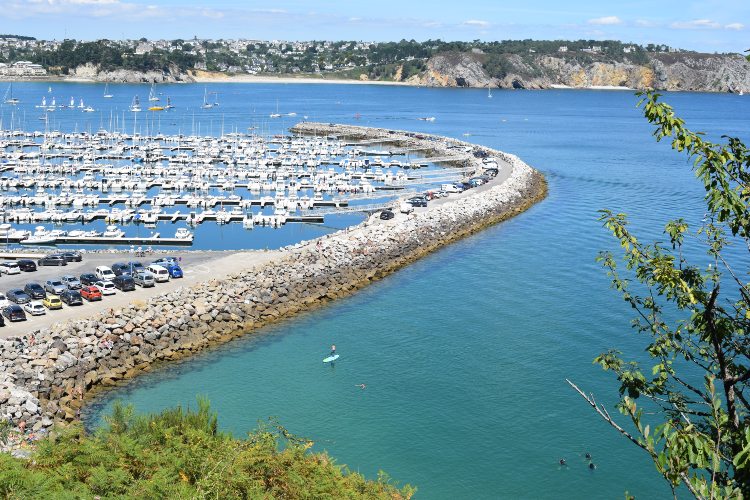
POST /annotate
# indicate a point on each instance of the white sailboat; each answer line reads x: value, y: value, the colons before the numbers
x: 276, y: 114
x: 169, y: 104
x: 206, y: 104
x: 80, y: 104
x: 489, y: 91
x: 152, y: 94
x: 135, y: 106
x: 44, y: 102
x: 9, y: 99
x: 107, y: 95
x: 72, y: 102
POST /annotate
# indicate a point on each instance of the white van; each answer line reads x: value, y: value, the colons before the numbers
x: 104, y: 273
x: 160, y: 273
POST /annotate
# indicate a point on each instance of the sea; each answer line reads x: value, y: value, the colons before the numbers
x: 464, y: 355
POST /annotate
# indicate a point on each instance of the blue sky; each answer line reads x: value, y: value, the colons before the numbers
x: 708, y: 25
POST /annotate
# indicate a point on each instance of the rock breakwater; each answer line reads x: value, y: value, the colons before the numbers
x: 47, y: 374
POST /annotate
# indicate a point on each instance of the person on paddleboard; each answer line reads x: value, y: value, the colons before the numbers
x: 333, y: 349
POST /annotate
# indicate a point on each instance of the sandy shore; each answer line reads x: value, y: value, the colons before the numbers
x: 221, y: 78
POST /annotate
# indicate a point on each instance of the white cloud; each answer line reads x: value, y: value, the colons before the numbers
x: 645, y: 23
x: 735, y: 26
x: 475, y: 23
x: 696, y: 24
x: 605, y: 21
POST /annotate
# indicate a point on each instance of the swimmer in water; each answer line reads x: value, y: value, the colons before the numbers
x: 588, y: 456
x: 592, y: 466
x: 563, y: 462
x: 361, y: 386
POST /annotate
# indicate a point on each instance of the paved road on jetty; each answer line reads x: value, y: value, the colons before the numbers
x: 199, y: 266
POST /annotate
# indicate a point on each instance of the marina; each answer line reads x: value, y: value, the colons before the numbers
x: 76, y: 180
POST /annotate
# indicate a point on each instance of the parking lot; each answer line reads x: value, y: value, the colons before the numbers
x: 197, y: 266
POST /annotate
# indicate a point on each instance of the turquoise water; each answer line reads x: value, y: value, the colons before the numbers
x: 464, y: 353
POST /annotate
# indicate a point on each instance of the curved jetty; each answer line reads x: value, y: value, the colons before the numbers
x: 46, y: 376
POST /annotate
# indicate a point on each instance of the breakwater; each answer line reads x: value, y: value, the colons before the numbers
x: 46, y: 376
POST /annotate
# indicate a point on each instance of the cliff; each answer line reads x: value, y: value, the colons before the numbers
x: 662, y: 71
x: 93, y: 72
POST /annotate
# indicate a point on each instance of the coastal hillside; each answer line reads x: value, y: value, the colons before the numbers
x: 663, y: 71
x: 520, y: 64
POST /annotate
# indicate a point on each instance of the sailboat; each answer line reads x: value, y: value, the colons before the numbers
x: 107, y: 95
x: 72, y: 102
x: 206, y: 104
x: 52, y: 105
x: 9, y: 99
x: 80, y: 104
x: 489, y: 91
x: 44, y: 102
x: 135, y: 106
x: 276, y: 114
x: 152, y: 94
x: 169, y: 104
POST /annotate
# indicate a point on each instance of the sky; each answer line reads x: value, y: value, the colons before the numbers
x: 707, y: 25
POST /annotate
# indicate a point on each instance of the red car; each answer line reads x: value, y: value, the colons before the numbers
x: 91, y: 293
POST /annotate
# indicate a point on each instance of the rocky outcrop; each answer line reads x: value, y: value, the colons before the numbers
x: 46, y: 375
x: 662, y: 71
x: 94, y: 73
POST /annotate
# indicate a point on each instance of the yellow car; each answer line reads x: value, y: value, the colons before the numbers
x: 52, y: 302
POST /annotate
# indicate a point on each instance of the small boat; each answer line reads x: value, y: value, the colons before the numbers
x: 169, y: 104
x: 88, y: 109
x: 135, y: 106
x: 113, y: 232
x: 489, y: 91
x: 152, y: 94
x: 156, y: 108
x: 41, y: 239
x: 107, y: 95
x: 9, y: 99
x: 183, y: 234
x: 206, y: 104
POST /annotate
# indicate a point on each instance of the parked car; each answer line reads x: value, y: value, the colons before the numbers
x: 35, y: 308
x: 417, y: 202
x: 120, y: 268
x: 405, y: 208
x: 124, y: 282
x: 452, y: 188
x: 160, y: 273
x: 72, y: 256
x: 387, y: 215
x: 165, y: 260
x: 52, y: 302
x: 14, y: 313
x: 52, y: 260
x: 3, y: 300
x: 2, y: 320
x: 91, y: 293
x: 106, y: 287
x: 71, y: 297
x: 88, y: 279
x: 144, y: 279
x: 35, y: 290
x: 71, y: 282
x: 174, y: 270
x: 104, y: 273
x: 10, y: 267
x: 18, y: 296
x: 26, y: 265
x: 136, y: 266
x: 54, y: 286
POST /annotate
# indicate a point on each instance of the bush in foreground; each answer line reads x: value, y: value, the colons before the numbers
x: 180, y: 453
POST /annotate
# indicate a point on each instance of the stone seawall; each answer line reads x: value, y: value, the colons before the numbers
x: 48, y: 379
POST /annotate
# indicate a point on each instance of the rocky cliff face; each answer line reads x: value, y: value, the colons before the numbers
x: 93, y: 72
x: 678, y: 71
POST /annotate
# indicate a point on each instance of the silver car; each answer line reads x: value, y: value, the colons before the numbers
x: 144, y: 279
x: 71, y: 282
x: 54, y: 286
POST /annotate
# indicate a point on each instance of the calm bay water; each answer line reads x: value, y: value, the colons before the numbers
x: 464, y: 353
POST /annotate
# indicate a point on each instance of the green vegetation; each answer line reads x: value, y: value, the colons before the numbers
x: 181, y: 454
x: 385, y: 60
x: 695, y: 389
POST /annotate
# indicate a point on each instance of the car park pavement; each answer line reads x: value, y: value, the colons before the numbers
x: 197, y: 266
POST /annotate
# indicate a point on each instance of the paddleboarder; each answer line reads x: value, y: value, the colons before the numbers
x: 333, y: 349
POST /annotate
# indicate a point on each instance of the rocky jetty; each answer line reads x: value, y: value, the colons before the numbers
x: 46, y: 375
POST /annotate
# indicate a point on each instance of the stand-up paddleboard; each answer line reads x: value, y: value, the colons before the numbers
x: 331, y: 358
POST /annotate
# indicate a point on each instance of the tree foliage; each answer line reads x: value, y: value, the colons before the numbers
x: 181, y: 454
x: 698, y: 380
